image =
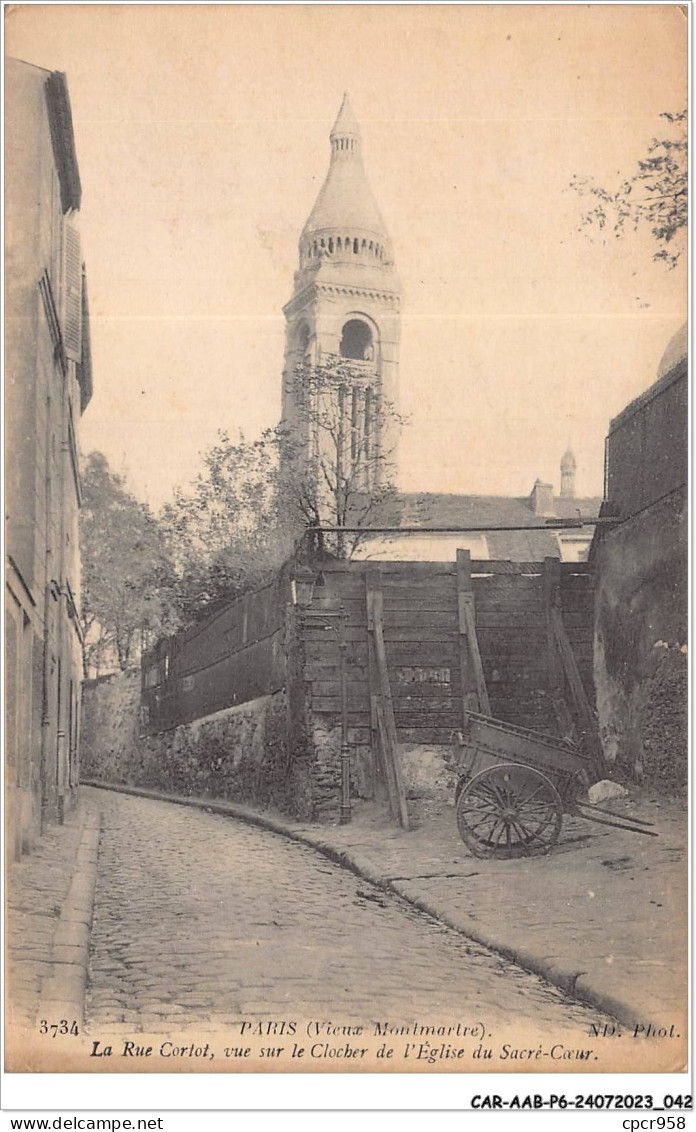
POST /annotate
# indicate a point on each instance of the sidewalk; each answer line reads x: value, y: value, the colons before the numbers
x: 49, y: 902
x: 603, y: 916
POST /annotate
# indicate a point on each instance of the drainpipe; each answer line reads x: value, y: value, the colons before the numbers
x: 345, y: 812
x: 44, y: 769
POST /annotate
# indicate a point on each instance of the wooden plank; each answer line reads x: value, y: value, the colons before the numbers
x: 582, y: 705
x: 374, y: 748
x: 584, y: 605
x: 442, y: 583
x: 417, y: 618
x: 390, y: 571
x: 386, y: 765
x: 530, y: 606
x: 319, y: 653
x: 443, y: 702
x: 315, y: 634
x: 331, y: 705
x: 580, y: 633
x: 552, y: 582
x: 423, y: 653
x: 578, y: 619
x: 353, y: 603
x: 377, y: 763
x: 397, y: 793
x: 400, y: 633
x: 578, y: 583
x: 359, y: 735
x: 474, y: 653
x: 503, y: 566
x: 510, y: 619
x: 566, y: 727
x: 474, y: 694
x: 385, y: 710
x: 386, y: 724
x: 511, y: 679
x: 442, y: 736
x: 505, y: 585
x: 446, y: 605
x: 517, y: 597
x: 408, y: 687
x: 430, y: 719
x: 382, y: 770
x: 469, y: 694
x: 357, y: 689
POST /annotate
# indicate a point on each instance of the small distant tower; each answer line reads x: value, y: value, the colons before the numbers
x: 568, y: 469
x: 346, y: 295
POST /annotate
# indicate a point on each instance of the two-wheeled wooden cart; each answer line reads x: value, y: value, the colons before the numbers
x: 514, y: 785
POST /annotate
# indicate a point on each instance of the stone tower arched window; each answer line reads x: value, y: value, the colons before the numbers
x: 356, y: 341
x: 345, y: 302
x: 303, y: 338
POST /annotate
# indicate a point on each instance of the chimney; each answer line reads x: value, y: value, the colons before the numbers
x: 542, y: 499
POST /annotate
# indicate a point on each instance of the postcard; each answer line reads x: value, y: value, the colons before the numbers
x: 346, y: 582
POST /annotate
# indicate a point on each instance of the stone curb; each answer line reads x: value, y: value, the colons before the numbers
x: 577, y: 984
x: 63, y: 992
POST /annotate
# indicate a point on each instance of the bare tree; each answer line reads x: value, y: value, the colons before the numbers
x: 338, y: 457
x: 655, y: 196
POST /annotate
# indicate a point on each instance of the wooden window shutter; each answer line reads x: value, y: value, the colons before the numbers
x: 72, y: 320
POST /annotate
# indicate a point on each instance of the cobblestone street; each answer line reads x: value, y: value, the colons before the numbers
x: 200, y: 919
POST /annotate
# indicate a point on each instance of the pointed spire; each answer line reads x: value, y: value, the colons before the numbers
x: 346, y: 125
x: 346, y: 204
x: 568, y: 461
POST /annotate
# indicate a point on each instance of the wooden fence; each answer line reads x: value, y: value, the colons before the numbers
x: 512, y: 639
x: 481, y: 634
x: 232, y: 657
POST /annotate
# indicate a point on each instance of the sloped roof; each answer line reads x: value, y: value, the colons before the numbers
x: 346, y: 124
x: 345, y: 200
x: 429, y: 509
x: 63, y: 139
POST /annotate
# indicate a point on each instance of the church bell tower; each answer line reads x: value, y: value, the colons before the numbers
x: 346, y: 295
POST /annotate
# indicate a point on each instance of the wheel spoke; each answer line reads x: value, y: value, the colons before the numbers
x: 507, y: 811
x: 503, y: 827
x: 485, y: 821
x: 490, y: 839
x: 485, y: 791
x: 530, y: 834
x: 530, y: 797
x: 478, y: 804
x: 536, y: 834
x: 522, y: 841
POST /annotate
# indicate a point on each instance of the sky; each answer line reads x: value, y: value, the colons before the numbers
x: 202, y: 140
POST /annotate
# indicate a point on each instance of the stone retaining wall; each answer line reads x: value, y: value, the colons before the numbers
x: 640, y: 644
x: 256, y: 753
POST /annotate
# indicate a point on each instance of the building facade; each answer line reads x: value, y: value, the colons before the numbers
x: 48, y: 386
x: 346, y: 306
x: 641, y: 569
x: 346, y: 302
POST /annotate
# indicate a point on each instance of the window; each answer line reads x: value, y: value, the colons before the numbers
x: 303, y: 337
x: 356, y: 341
x: 72, y: 297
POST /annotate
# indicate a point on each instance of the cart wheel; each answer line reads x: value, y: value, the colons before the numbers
x: 509, y: 811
